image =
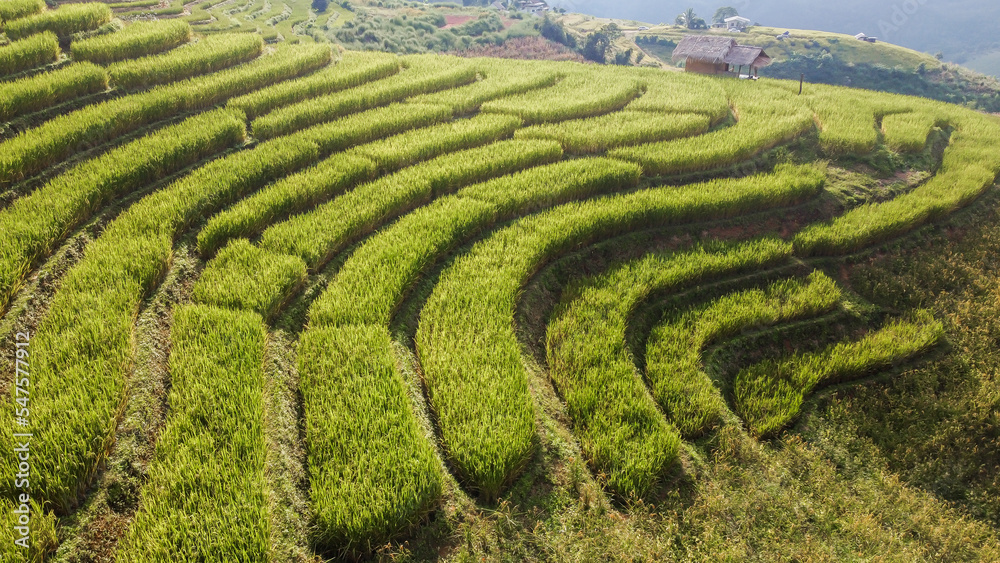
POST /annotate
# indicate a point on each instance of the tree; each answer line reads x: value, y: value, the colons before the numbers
x: 724, y: 12
x: 688, y: 19
x: 319, y: 6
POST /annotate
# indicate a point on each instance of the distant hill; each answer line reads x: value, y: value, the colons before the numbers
x: 961, y: 30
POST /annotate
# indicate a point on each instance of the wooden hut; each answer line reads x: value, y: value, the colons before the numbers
x: 706, y: 54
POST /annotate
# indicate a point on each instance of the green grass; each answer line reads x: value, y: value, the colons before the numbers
x: 966, y: 171
x: 64, y: 21
x: 907, y: 132
x: 294, y: 193
x: 36, y: 223
x: 118, y: 270
x: 412, y: 374
x: 15, y: 9
x: 374, y: 280
x: 501, y: 79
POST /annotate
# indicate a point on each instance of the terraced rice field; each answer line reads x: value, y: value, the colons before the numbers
x: 285, y: 301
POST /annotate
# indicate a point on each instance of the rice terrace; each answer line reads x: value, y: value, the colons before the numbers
x: 280, y: 301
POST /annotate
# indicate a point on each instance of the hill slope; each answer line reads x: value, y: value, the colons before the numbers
x: 827, y: 58
x: 956, y: 29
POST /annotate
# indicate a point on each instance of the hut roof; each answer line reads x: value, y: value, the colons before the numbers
x: 720, y: 50
x: 745, y: 55
x: 704, y: 48
x: 737, y: 19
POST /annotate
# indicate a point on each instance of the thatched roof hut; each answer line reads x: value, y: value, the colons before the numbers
x: 717, y: 55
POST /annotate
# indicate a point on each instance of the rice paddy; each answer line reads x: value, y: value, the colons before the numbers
x: 508, y: 292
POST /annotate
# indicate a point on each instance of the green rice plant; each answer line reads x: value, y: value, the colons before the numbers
x: 42, y: 536
x: 131, y: 5
x: 466, y: 341
x: 329, y: 178
x: 846, y: 124
x: 139, y: 39
x: 579, y: 94
x: 769, y: 395
x: 626, y: 439
x: 36, y: 223
x: 210, y: 54
x: 82, y: 349
x: 168, y: 11
x: 33, y: 150
x: 41, y: 91
x: 374, y: 125
x: 245, y: 277
x: 198, y: 15
x: 848, y: 119
x: 318, y: 235
x: 64, y: 21
x: 767, y: 118
x: 675, y: 92
x: 81, y: 354
x: 28, y: 53
x: 372, y: 472
x: 407, y: 148
x: 680, y: 385
x: 196, y: 502
x: 375, y: 278
x: 421, y: 74
x: 969, y: 167
x: 353, y: 69
x: 598, y: 134
x: 288, y: 195
x: 502, y: 78
x: 14, y: 9
x: 907, y: 132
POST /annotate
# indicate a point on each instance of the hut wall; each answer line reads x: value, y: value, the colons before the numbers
x: 705, y: 67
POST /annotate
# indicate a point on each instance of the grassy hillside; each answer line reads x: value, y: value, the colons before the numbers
x: 958, y: 30
x: 287, y: 302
